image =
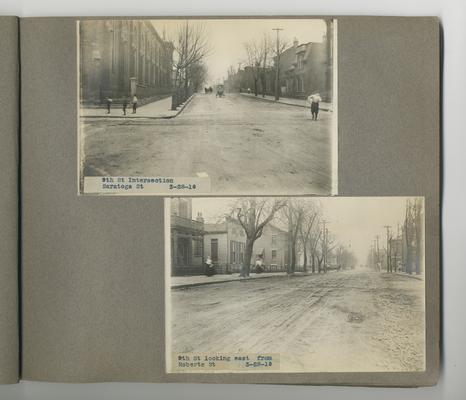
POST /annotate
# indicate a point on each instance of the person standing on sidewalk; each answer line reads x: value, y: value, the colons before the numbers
x: 209, y: 267
x: 135, y: 104
x: 109, y: 102
x: 314, y: 99
x: 125, y: 105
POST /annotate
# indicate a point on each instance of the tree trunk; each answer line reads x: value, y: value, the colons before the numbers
x: 246, y: 267
x: 264, y: 83
x: 408, y: 251
x: 313, y: 263
x: 319, y: 266
x: 293, y: 259
x: 255, y: 87
x: 304, y: 259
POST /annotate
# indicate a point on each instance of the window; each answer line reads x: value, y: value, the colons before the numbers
x: 197, y: 247
x: 232, y: 252
x: 236, y: 252
x: 274, y: 240
x: 274, y: 255
x: 300, y: 61
x: 241, y: 252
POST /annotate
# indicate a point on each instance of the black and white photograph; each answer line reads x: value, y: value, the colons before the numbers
x: 220, y: 106
x: 295, y: 284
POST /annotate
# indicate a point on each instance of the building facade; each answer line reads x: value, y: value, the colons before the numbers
x: 187, y: 239
x: 225, y: 243
x: 304, y: 70
x: 272, y: 247
x: 120, y: 58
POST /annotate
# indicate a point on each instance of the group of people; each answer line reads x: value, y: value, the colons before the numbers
x: 209, y: 266
x: 134, y: 102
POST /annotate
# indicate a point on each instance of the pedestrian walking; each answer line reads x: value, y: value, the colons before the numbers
x: 125, y: 105
x: 135, y: 104
x: 314, y: 99
x: 109, y: 102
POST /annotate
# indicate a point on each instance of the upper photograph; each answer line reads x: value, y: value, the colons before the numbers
x: 215, y: 107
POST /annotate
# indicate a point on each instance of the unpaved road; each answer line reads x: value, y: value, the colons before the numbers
x: 245, y: 146
x: 340, y: 321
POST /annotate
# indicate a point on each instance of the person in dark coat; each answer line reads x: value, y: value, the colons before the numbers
x: 135, y: 104
x: 125, y: 105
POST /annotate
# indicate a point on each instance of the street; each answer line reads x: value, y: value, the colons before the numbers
x: 340, y: 321
x: 246, y: 146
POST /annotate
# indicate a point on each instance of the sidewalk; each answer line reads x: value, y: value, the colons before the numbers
x: 179, y: 282
x: 323, y: 106
x: 157, y: 109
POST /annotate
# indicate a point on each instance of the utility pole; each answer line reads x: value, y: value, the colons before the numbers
x: 377, y: 249
x: 239, y: 76
x: 277, y: 66
x: 389, y: 268
x: 374, y: 253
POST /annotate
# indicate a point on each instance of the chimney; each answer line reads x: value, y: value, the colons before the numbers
x: 199, y: 217
x: 295, y: 42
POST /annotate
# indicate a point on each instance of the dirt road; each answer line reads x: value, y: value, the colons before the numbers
x: 340, y: 321
x: 244, y: 145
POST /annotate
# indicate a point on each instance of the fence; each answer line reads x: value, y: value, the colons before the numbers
x: 179, y: 96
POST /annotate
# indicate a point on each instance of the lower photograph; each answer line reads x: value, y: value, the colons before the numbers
x: 295, y: 284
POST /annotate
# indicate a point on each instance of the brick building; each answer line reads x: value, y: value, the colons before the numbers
x: 121, y: 58
x: 304, y: 69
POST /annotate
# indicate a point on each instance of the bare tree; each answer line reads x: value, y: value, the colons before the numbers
x: 280, y: 47
x: 254, y: 214
x: 413, y: 235
x: 293, y: 215
x: 305, y: 232
x: 197, y: 75
x: 313, y: 246
x: 191, y: 46
x: 255, y: 55
x: 266, y: 50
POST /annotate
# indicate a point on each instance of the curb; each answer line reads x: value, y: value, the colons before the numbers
x: 410, y: 276
x: 129, y: 118
x: 282, y: 102
x: 188, y: 285
x: 184, y: 105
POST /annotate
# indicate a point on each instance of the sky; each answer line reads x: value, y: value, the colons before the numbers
x: 354, y: 221
x: 228, y: 36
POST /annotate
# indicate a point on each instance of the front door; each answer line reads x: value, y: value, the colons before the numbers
x: 214, y: 250
x: 183, y: 251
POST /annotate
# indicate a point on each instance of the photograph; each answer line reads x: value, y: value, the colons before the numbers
x: 213, y: 106
x: 295, y: 284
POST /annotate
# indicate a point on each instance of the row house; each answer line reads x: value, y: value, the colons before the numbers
x: 120, y: 58
x: 187, y: 239
x: 304, y: 69
x: 225, y: 243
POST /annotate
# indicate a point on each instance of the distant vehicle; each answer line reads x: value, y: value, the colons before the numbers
x: 220, y: 91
